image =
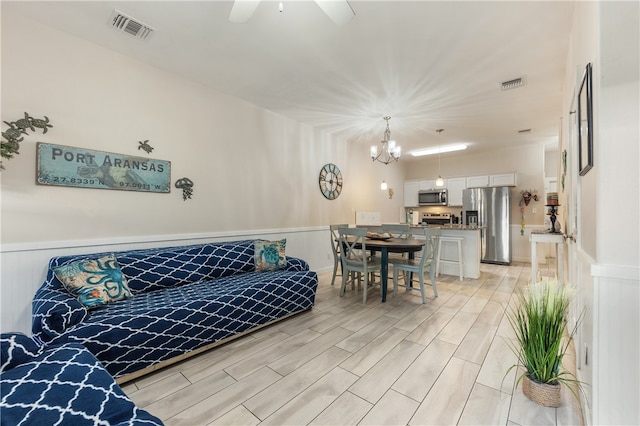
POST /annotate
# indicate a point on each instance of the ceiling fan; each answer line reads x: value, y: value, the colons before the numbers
x: 338, y: 11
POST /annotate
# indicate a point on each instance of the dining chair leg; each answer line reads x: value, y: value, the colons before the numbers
x: 364, y: 291
x: 395, y: 281
x: 433, y: 281
x: 355, y: 276
x: 344, y: 283
x: 421, y: 279
x: 335, y: 271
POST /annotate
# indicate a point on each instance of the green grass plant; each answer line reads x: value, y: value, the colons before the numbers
x: 539, y: 322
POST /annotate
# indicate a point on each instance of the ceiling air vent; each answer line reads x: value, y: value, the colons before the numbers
x: 512, y: 84
x: 125, y: 23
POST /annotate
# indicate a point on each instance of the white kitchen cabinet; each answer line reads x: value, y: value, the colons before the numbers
x: 477, y: 181
x: 411, y: 189
x: 454, y: 187
x: 504, y: 179
x: 427, y: 184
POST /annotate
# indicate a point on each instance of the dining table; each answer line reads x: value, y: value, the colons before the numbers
x: 391, y: 245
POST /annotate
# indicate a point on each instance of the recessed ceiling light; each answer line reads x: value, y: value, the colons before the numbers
x: 431, y: 151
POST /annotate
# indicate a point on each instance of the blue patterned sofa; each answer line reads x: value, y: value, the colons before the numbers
x: 184, y: 300
x: 60, y: 385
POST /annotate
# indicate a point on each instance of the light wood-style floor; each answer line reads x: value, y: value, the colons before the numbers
x: 345, y: 363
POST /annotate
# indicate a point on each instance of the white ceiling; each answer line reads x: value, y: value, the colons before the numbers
x: 427, y: 64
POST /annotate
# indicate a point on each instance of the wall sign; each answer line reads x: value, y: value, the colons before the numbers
x: 61, y: 165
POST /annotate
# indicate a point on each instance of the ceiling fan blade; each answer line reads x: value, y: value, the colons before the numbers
x: 338, y: 11
x: 242, y: 10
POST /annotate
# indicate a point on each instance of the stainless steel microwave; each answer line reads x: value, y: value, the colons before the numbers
x: 432, y: 197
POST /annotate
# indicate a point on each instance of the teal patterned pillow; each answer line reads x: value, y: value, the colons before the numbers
x: 94, y: 282
x: 269, y: 255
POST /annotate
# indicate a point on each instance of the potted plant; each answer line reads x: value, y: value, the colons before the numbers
x: 539, y: 322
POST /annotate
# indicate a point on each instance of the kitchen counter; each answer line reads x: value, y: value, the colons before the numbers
x: 456, y: 227
x: 470, y: 248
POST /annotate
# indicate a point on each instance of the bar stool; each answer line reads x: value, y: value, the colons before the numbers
x: 455, y: 240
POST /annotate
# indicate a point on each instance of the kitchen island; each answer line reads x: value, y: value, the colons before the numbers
x: 470, y: 249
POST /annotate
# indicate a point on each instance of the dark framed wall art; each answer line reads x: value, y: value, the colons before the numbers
x: 585, y: 123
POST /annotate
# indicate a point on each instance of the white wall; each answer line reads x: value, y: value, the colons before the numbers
x: 607, y: 256
x: 617, y: 271
x: 248, y: 164
x: 255, y: 172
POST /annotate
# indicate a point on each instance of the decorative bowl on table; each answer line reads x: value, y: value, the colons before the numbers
x: 377, y: 236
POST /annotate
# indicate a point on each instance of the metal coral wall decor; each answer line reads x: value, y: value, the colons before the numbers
x: 144, y: 145
x: 526, y: 196
x: 13, y: 135
x: 186, y: 185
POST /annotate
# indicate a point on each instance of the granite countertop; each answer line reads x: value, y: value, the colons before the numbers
x: 453, y: 227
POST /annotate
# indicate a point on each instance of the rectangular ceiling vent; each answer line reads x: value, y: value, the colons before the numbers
x: 512, y: 84
x: 125, y: 23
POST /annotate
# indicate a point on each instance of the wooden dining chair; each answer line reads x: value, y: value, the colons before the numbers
x: 356, y: 262
x: 419, y: 267
x: 335, y: 247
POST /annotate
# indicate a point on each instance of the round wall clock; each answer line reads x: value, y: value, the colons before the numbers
x: 330, y: 181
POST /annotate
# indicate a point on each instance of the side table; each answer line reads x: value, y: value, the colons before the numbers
x: 547, y: 237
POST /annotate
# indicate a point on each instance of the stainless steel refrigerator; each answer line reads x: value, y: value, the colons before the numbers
x: 489, y: 209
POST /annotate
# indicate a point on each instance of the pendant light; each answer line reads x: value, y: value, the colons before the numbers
x: 439, y: 181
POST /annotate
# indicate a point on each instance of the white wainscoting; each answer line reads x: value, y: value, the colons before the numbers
x: 24, y: 266
x: 616, y: 344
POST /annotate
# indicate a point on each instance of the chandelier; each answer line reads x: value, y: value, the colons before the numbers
x: 390, y: 151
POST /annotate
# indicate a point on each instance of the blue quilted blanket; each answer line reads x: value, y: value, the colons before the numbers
x: 184, y: 298
x: 60, y: 385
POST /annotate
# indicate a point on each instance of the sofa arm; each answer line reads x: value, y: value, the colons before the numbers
x: 295, y: 264
x: 65, y: 384
x: 53, y: 312
x: 16, y: 349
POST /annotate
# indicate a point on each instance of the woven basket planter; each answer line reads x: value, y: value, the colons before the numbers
x: 541, y: 393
